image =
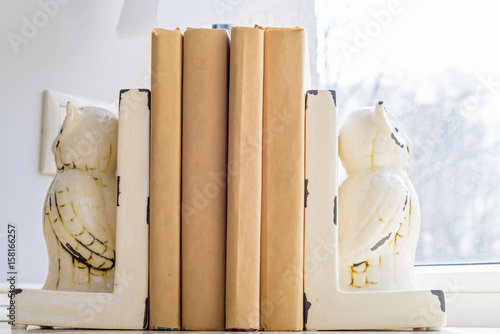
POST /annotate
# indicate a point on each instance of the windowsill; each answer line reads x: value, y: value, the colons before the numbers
x: 472, y: 292
x: 460, y: 278
x: 471, y: 302
x: 5, y: 329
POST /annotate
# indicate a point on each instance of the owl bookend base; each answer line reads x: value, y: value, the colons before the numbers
x: 360, y: 240
x: 95, y: 208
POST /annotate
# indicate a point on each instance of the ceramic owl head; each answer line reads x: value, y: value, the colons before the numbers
x: 371, y: 138
x: 87, y: 139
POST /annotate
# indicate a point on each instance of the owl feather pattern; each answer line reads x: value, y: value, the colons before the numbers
x: 80, y: 207
x: 379, y: 212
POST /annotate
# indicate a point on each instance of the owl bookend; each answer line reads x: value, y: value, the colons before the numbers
x: 360, y: 239
x: 378, y: 207
x: 96, y: 222
x: 79, y: 220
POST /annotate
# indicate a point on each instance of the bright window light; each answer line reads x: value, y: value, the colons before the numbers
x: 436, y: 65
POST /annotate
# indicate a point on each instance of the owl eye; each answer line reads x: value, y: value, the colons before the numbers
x: 397, y: 130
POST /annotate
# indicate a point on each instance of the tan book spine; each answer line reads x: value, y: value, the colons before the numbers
x: 165, y: 180
x: 204, y: 176
x: 244, y: 178
x: 283, y: 180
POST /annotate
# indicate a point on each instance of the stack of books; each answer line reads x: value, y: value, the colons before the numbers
x: 227, y: 179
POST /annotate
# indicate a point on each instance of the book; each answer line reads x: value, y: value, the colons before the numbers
x: 204, y: 178
x: 165, y: 179
x: 244, y: 178
x: 283, y: 180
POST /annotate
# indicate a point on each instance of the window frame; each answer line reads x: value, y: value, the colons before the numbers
x: 472, y: 292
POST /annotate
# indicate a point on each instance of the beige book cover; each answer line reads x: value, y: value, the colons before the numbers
x: 244, y: 178
x: 165, y: 179
x: 283, y: 180
x: 204, y: 176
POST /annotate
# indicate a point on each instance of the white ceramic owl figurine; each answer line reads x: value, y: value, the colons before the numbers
x: 80, y: 208
x: 379, y: 213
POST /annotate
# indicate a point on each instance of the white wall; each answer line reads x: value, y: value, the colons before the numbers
x: 76, y: 51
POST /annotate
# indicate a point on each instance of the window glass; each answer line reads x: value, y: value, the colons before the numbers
x: 436, y: 65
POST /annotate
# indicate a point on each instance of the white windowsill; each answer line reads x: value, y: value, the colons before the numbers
x: 5, y: 329
x: 460, y: 278
x: 472, y: 297
x: 472, y: 292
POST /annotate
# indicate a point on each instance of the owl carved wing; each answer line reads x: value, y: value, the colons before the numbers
x: 369, y: 223
x: 78, y: 215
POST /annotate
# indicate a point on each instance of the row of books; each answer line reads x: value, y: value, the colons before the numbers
x: 227, y: 179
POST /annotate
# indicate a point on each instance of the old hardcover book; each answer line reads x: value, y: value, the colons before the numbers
x: 244, y: 178
x: 283, y: 180
x: 204, y: 176
x: 165, y: 180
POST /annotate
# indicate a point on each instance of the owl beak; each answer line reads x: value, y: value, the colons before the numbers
x: 54, y: 144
